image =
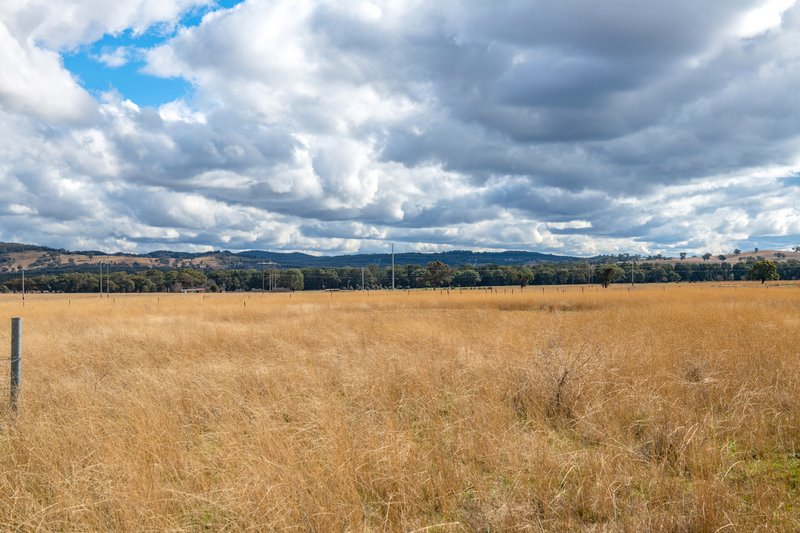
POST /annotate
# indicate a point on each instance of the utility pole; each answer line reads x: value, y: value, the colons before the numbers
x: 392, y: 266
x: 633, y: 266
x: 263, y: 265
x: 23, y: 286
x: 362, y: 279
x: 101, y: 280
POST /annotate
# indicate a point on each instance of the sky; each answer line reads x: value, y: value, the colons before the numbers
x: 573, y: 127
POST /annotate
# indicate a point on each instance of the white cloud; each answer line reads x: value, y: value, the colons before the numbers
x: 179, y: 111
x: 65, y: 24
x: 116, y: 57
x: 763, y: 18
x: 330, y: 126
x: 34, y: 82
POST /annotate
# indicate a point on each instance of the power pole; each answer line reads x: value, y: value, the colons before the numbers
x: 392, y: 266
x: 362, y: 279
x: 108, y: 280
x: 263, y: 265
x: 101, y: 280
x: 23, y: 286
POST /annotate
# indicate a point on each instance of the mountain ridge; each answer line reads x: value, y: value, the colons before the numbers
x: 42, y: 259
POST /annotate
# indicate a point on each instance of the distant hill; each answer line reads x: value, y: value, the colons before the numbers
x: 15, y: 257
x: 453, y: 258
x: 12, y: 247
x: 43, y: 260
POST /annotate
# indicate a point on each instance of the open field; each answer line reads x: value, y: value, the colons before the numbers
x: 659, y: 408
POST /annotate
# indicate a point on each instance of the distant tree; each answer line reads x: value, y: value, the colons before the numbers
x: 545, y: 275
x: 313, y: 279
x: 796, y: 248
x: 763, y: 270
x: 438, y: 274
x: 467, y: 277
x: 657, y: 274
x: 607, y: 274
x: 523, y: 276
x: 780, y: 255
x: 706, y: 256
x: 737, y: 251
x: 142, y: 283
x: 755, y: 250
x: 417, y: 276
x: 683, y: 255
x: 4, y: 289
x: 291, y: 279
x: 721, y: 257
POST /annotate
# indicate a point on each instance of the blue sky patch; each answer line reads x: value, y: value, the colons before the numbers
x: 791, y: 181
x: 97, y: 76
x: 128, y: 80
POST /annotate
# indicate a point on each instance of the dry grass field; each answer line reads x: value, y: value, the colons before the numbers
x: 671, y: 408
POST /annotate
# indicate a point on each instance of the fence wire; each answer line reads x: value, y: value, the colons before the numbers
x: 5, y: 373
x: 5, y: 376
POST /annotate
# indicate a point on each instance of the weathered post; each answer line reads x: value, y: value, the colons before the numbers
x: 16, y: 360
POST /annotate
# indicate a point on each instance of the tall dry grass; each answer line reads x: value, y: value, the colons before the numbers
x: 663, y: 408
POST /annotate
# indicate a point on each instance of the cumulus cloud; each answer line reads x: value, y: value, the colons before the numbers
x: 116, y: 57
x: 328, y: 126
x: 35, y: 83
x: 34, y: 32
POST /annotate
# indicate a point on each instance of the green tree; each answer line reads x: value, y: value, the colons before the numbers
x: 438, y: 274
x: 706, y: 256
x: 292, y: 279
x: 657, y: 274
x: 523, y: 276
x: 683, y: 255
x: 607, y: 274
x: 763, y: 270
x: 467, y: 277
x: 417, y: 276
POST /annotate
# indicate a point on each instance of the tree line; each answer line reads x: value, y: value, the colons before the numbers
x: 435, y: 274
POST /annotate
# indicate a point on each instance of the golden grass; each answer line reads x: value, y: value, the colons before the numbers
x: 662, y: 408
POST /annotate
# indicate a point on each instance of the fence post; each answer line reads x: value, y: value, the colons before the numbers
x: 16, y: 360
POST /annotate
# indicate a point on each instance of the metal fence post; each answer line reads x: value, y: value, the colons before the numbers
x: 16, y: 360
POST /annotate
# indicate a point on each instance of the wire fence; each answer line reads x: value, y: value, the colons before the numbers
x: 5, y: 386
x: 5, y: 370
x: 5, y: 379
